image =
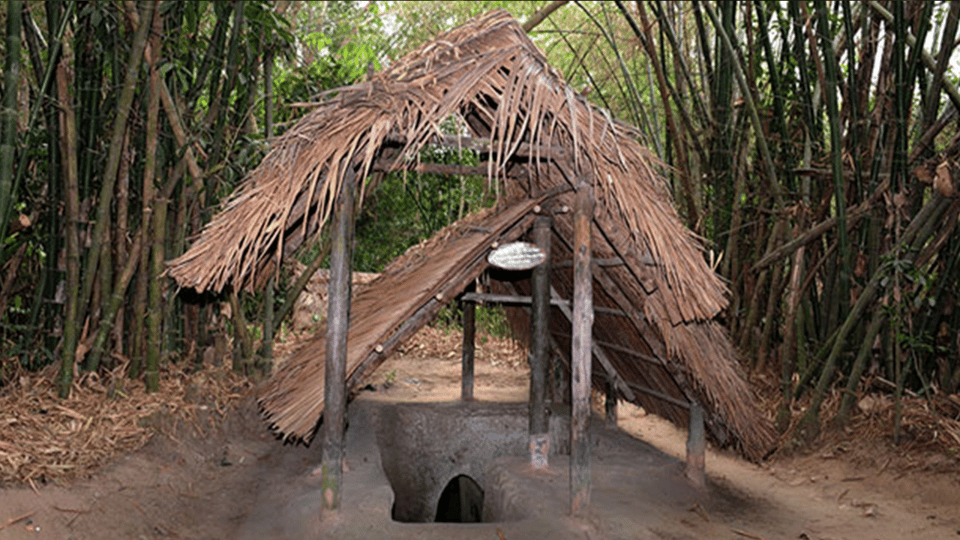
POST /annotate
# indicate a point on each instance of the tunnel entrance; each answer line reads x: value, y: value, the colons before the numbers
x: 461, y: 501
x: 438, y: 459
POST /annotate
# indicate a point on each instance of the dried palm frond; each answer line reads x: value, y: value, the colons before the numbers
x: 491, y: 78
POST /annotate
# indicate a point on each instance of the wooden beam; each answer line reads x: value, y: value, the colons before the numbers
x: 469, y: 346
x: 625, y: 350
x: 493, y: 298
x: 660, y: 395
x: 603, y: 263
x: 558, y: 366
x: 338, y: 322
x: 610, y: 404
x: 696, y: 448
x: 640, y: 323
x: 482, y: 146
x: 409, y: 327
x: 619, y: 381
x: 580, y: 353
x: 599, y: 353
x: 432, y: 168
x: 540, y: 325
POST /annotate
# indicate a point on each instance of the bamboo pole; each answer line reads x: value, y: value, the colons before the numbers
x: 338, y: 324
x: 8, y: 114
x: 124, y: 106
x: 469, y: 347
x: 71, y: 190
x: 542, y: 15
x: 682, y: 163
x: 540, y: 325
x: 269, y: 300
x: 580, y: 355
x: 243, y: 343
x: 920, y: 227
x: 769, y: 168
x: 830, y: 87
x: 157, y: 232
x: 925, y: 57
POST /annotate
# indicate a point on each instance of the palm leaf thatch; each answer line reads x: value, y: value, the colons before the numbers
x: 490, y: 74
x: 541, y: 139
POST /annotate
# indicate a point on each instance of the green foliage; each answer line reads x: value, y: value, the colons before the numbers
x: 338, y: 42
x: 490, y: 320
x: 405, y: 209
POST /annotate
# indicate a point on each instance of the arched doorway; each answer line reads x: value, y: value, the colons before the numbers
x: 461, y: 501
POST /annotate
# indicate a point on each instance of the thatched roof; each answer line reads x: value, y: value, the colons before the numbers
x: 541, y: 139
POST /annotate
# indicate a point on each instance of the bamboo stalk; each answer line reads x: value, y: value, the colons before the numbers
x: 542, y: 14
x: 771, y: 172
x: 158, y: 225
x: 925, y: 57
x: 243, y: 350
x: 682, y: 163
x: 269, y: 300
x: 859, y: 364
x: 747, y: 341
x: 853, y: 214
x: 124, y: 105
x: 916, y: 234
x: 932, y: 101
x: 220, y: 103
x: 68, y: 132
x: 679, y: 56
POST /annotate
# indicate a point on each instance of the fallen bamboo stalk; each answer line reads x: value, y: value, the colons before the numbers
x: 854, y: 214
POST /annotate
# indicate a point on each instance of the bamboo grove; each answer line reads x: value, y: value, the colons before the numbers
x: 814, y: 146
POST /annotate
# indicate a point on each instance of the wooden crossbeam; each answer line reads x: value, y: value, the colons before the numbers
x: 526, y: 300
x: 611, y: 261
x: 660, y: 395
x: 597, y: 351
x: 483, y: 146
x: 432, y: 168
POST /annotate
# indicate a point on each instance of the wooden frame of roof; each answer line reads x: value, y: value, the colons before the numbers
x: 538, y: 138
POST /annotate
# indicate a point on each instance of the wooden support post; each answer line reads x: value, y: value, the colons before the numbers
x: 696, y: 448
x: 469, y: 329
x: 598, y: 352
x: 561, y: 379
x: 610, y: 405
x: 580, y: 354
x: 539, y: 348
x: 338, y: 322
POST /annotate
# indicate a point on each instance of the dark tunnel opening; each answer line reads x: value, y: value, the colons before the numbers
x: 461, y: 501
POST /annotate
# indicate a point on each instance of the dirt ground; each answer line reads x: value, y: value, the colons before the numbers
x: 211, y: 483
